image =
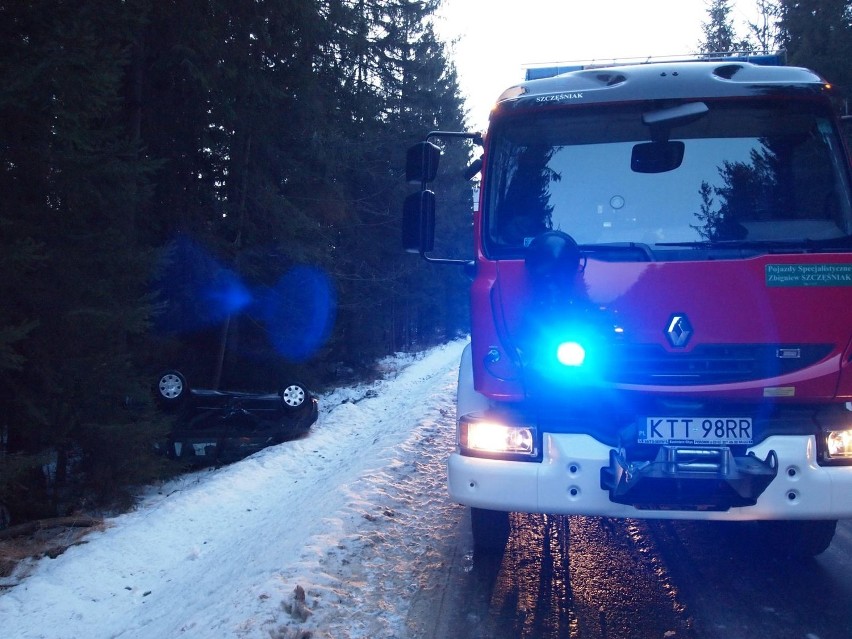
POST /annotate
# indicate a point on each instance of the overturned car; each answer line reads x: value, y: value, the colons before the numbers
x: 218, y: 427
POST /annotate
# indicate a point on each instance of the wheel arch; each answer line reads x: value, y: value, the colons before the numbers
x: 468, y: 400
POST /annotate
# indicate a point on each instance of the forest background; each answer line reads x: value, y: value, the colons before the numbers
x: 216, y: 186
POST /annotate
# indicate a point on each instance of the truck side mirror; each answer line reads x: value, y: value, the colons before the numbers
x: 421, y: 162
x: 418, y: 222
x: 474, y: 168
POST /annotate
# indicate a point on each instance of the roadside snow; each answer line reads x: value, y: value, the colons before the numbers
x: 334, y: 535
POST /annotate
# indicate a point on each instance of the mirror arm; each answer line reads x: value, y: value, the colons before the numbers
x: 475, y: 137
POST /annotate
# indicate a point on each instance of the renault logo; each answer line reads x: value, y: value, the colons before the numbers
x: 678, y: 330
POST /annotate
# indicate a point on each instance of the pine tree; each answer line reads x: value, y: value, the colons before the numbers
x: 73, y: 182
x: 766, y: 30
x: 818, y: 35
x: 719, y: 34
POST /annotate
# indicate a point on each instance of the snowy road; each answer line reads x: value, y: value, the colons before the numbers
x: 355, y: 515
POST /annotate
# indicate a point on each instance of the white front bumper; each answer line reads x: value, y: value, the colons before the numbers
x: 568, y: 481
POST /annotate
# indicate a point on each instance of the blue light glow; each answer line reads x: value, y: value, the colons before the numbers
x: 299, y: 312
x: 197, y: 292
x: 225, y: 295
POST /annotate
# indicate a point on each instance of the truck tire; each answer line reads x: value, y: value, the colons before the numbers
x: 797, y: 539
x: 490, y: 530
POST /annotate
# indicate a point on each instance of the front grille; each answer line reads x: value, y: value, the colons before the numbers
x: 711, y: 364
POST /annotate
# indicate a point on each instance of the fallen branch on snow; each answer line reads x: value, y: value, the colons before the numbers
x: 31, y: 527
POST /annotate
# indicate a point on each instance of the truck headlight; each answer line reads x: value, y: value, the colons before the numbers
x: 492, y: 438
x: 838, y: 444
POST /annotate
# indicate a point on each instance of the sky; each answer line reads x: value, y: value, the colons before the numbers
x: 495, y: 39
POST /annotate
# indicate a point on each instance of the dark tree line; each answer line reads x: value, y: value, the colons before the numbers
x: 215, y: 185
x: 816, y: 34
x: 207, y: 184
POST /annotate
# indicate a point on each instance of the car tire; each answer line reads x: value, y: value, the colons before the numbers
x: 490, y: 530
x: 171, y: 389
x: 294, y: 397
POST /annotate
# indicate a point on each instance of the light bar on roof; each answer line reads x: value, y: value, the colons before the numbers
x: 549, y: 71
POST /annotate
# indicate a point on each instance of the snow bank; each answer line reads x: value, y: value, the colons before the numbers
x: 334, y: 535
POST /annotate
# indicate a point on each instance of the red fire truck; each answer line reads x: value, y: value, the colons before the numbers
x: 661, y: 321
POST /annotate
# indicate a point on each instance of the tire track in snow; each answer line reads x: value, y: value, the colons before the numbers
x: 388, y: 545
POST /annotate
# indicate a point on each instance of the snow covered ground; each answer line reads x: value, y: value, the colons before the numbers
x: 336, y: 535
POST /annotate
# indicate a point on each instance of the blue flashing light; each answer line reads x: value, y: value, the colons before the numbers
x: 575, y: 355
x: 571, y: 354
x: 539, y: 73
x: 762, y: 59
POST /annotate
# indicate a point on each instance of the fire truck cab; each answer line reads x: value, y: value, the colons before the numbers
x: 661, y: 302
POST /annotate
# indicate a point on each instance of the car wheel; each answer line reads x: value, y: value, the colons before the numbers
x: 293, y: 397
x: 171, y: 389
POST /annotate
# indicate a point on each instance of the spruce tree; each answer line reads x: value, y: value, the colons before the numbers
x: 719, y: 34
x: 73, y: 183
x: 818, y: 35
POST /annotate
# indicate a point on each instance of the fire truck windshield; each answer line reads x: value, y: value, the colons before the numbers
x: 757, y: 170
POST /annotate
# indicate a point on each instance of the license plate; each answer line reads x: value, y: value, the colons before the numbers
x: 696, y: 430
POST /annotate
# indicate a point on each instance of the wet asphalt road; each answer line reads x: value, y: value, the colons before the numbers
x: 594, y: 578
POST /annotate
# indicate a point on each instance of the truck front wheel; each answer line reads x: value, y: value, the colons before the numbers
x: 490, y: 530
x: 797, y: 539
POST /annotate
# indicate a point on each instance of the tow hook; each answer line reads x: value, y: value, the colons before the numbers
x: 689, y: 478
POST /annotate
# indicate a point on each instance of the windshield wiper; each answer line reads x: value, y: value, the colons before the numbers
x: 771, y: 246
x: 619, y: 247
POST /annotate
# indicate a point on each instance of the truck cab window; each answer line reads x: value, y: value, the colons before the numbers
x: 756, y: 170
